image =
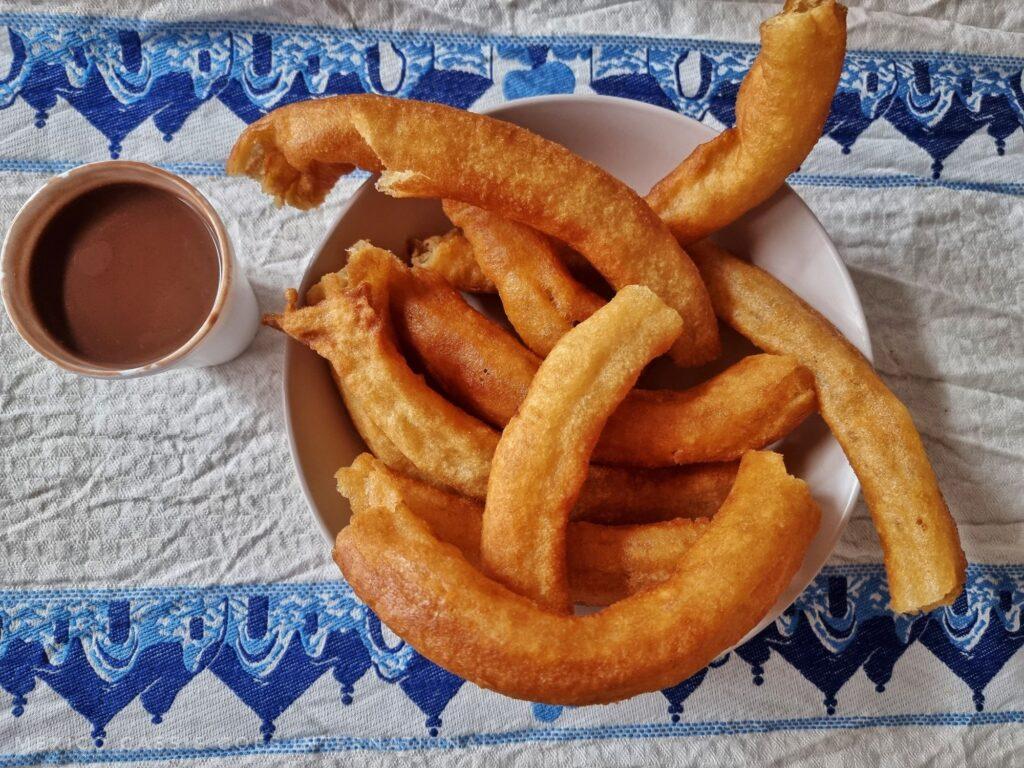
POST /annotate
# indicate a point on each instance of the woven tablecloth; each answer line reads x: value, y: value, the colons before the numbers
x: 165, y: 593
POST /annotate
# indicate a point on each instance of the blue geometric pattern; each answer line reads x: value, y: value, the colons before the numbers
x: 102, y: 649
x: 118, y: 74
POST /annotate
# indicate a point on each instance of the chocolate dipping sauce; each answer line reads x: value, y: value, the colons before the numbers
x: 124, y: 274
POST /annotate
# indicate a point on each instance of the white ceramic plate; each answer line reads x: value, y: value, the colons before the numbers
x: 638, y: 143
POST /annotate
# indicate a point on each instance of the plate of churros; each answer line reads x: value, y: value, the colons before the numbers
x: 579, y: 388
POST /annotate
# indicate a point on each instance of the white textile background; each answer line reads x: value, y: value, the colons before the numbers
x: 185, y: 480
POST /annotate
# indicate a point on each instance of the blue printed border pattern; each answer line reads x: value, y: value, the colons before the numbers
x: 100, y: 650
x: 120, y: 73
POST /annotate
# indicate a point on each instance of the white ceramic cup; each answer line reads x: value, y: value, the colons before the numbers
x: 225, y: 333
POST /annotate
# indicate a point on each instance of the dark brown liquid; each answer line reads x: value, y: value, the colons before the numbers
x: 124, y: 274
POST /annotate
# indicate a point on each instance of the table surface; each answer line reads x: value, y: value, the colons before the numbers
x: 165, y: 594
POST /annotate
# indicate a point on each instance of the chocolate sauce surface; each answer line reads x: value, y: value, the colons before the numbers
x: 124, y: 274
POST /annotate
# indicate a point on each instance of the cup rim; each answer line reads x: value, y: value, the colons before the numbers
x: 20, y: 238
